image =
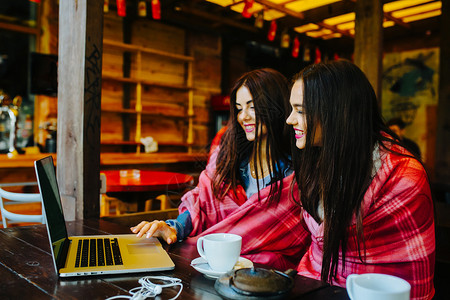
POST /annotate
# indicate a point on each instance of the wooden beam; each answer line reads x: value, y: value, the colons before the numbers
x: 79, y: 92
x: 218, y: 19
x: 368, y: 41
x: 323, y: 12
x: 392, y: 18
x: 335, y: 29
x: 442, y: 167
x: 397, y: 21
x: 281, y: 8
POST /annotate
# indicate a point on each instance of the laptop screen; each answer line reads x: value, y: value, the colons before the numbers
x: 56, y: 226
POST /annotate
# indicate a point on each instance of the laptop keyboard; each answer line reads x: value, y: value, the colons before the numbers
x: 98, y: 252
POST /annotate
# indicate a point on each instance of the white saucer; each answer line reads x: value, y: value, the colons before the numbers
x: 201, y: 265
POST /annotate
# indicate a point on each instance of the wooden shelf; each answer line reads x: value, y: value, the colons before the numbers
x: 142, y: 58
x: 136, y: 49
x: 146, y: 113
x: 158, y: 115
x: 146, y: 82
x: 119, y: 110
x: 133, y: 143
x: 119, y: 143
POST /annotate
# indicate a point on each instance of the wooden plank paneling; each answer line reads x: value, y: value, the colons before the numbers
x: 164, y: 130
x: 207, y: 74
x: 156, y: 35
x: 152, y: 94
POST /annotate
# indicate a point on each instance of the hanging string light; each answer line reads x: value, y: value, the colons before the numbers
x: 142, y: 8
x: 105, y: 6
x: 285, y: 39
x: 259, y: 19
x: 307, y: 54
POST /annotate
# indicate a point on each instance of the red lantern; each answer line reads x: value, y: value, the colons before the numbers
x: 272, y: 31
x: 295, y: 47
x: 156, y: 9
x: 336, y: 56
x: 121, y: 8
x: 246, y: 13
x: 318, y: 58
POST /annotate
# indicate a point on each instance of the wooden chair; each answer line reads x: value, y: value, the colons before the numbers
x: 10, y: 198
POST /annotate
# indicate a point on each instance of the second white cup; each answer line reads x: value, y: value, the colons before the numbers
x: 220, y: 250
x: 373, y: 286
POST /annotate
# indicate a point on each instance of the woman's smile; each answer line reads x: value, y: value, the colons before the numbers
x: 299, y: 133
x: 249, y: 127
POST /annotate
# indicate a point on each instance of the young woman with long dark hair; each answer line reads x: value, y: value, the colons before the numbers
x: 245, y: 188
x: 366, y: 200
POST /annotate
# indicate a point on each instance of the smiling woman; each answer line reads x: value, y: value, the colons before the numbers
x: 366, y: 199
x: 245, y: 188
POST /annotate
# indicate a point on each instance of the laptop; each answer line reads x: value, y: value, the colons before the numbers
x: 93, y: 255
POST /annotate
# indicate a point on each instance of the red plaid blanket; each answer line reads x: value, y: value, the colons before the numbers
x: 398, y: 228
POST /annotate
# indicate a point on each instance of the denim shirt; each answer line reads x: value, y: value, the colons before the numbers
x: 249, y: 183
x: 183, y: 223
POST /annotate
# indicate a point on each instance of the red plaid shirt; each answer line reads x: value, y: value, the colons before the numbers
x: 398, y: 229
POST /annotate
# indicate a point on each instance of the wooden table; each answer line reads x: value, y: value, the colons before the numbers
x: 27, y: 272
x: 132, y: 185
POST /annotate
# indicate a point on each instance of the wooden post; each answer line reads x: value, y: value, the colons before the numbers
x: 442, y: 166
x: 79, y: 92
x: 369, y: 41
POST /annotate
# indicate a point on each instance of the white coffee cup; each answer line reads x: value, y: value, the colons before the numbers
x: 220, y: 250
x: 373, y: 286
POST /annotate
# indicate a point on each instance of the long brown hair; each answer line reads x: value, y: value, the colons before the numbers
x: 270, y: 92
x: 339, y: 97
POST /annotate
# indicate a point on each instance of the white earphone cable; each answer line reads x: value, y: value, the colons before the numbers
x: 148, y: 289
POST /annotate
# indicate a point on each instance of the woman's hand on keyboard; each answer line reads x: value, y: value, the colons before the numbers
x: 156, y: 229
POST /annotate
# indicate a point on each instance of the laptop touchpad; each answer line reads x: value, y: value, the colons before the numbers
x: 143, y: 248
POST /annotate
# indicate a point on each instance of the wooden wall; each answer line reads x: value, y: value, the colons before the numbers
x: 206, y: 51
